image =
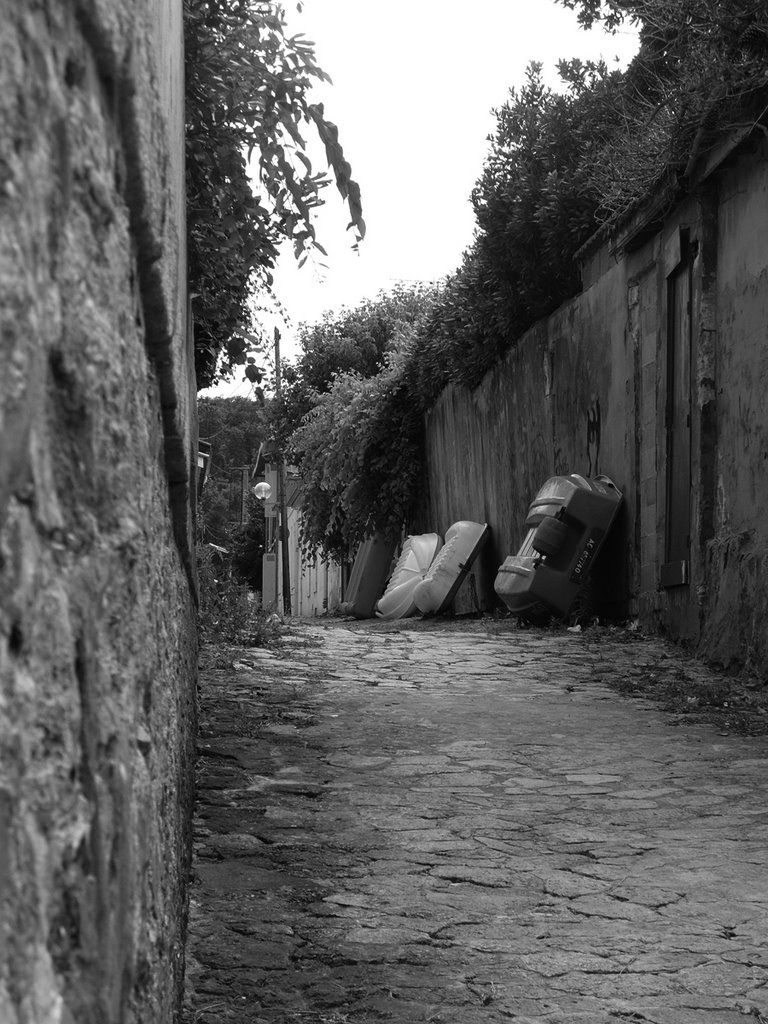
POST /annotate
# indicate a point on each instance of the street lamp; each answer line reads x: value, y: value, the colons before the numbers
x: 262, y: 490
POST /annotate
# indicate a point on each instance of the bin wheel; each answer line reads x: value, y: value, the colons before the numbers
x: 550, y: 536
x: 538, y: 615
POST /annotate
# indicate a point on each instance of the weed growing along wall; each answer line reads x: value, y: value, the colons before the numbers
x: 97, y: 645
x: 655, y: 375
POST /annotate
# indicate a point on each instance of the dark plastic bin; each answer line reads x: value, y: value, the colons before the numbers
x: 369, y: 576
x: 567, y: 522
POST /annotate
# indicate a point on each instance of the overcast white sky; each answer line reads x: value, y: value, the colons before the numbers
x: 414, y: 84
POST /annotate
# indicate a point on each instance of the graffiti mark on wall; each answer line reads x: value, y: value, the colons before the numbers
x: 593, y: 439
x: 539, y: 457
x: 748, y: 423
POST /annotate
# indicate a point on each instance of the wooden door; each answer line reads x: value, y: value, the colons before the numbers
x: 675, y: 567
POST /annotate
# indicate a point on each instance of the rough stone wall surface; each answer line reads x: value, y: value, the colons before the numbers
x: 97, y: 648
x: 586, y: 391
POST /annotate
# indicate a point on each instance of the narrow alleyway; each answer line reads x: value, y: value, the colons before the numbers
x: 464, y: 824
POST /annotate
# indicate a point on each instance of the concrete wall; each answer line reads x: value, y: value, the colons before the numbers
x: 543, y: 410
x: 735, y: 602
x: 592, y: 389
x: 97, y: 647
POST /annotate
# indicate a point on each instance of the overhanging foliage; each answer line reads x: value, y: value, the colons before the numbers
x: 247, y: 93
x: 702, y: 69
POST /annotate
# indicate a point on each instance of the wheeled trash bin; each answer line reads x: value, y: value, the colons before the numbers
x: 567, y: 523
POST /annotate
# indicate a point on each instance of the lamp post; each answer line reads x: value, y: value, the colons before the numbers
x: 263, y: 491
x: 283, y: 511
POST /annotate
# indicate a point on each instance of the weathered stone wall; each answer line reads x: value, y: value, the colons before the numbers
x: 97, y: 647
x: 592, y: 389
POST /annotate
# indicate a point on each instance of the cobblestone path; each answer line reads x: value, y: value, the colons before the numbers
x: 458, y: 825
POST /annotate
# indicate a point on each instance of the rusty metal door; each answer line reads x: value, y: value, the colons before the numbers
x: 675, y: 568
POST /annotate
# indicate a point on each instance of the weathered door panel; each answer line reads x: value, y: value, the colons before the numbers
x: 675, y: 568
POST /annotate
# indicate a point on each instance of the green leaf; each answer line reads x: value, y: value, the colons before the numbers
x: 247, y: 91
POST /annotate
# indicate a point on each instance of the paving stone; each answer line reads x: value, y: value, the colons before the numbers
x: 462, y: 824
